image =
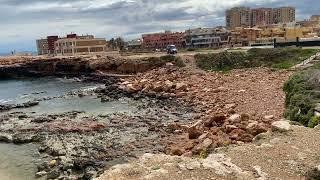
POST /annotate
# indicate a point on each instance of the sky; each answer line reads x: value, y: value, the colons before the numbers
x: 23, y: 21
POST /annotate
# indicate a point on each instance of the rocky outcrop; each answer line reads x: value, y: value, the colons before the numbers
x: 157, y: 167
x: 76, y: 65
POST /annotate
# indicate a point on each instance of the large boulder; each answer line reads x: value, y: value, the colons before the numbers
x: 281, y: 126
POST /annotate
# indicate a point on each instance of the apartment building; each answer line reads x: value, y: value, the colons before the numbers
x: 80, y: 45
x: 246, y: 17
x: 51, y: 41
x: 261, y: 16
x: 238, y: 17
x: 284, y: 15
x: 162, y: 40
x: 206, y: 37
x: 315, y: 18
x: 42, y: 46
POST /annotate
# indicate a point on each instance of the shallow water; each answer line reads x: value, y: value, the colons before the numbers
x: 17, y: 162
x: 23, y: 90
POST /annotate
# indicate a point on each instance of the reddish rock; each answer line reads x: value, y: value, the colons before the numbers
x: 219, y: 119
x: 256, y: 128
x: 181, y: 86
x: 176, y: 152
x: 194, y: 133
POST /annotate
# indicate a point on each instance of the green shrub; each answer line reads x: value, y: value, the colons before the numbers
x: 281, y: 58
x: 167, y: 58
x: 302, y: 93
x: 191, y: 49
x: 314, y: 121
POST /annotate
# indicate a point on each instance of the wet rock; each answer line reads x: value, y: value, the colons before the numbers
x: 281, y: 126
x: 42, y: 120
x: 6, y: 107
x: 22, y: 138
x: 7, y: 138
x: 105, y: 99
x: 43, y: 167
x: 23, y: 116
x: 90, y: 173
x: 41, y: 174
x: 30, y: 104
x: 54, y: 174
x: 66, y: 162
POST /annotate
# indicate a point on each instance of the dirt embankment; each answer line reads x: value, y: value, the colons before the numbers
x: 39, y: 66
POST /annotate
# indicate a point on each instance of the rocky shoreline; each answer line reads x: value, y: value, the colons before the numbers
x: 179, y: 112
x: 75, y: 145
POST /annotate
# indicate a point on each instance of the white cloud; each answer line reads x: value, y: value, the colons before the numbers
x: 26, y: 20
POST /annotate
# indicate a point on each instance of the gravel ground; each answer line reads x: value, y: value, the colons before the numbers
x: 274, y: 156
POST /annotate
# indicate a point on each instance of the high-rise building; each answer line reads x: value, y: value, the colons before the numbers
x: 284, y: 14
x: 262, y: 16
x: 238, y: 17
x: 246, y: 17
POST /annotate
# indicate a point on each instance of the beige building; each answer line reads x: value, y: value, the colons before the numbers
x: 238, y: 17
x: 315, y: 18
x: 284, y: 15
x: 42, y: 46
x: 261, y: 16
x: 246, y: 17
x: 81, y: 45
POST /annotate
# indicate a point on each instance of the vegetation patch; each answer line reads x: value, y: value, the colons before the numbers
x: 302, y: 94
x: 280, y: 58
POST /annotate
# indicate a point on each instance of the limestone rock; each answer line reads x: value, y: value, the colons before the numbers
x: 281, y: 126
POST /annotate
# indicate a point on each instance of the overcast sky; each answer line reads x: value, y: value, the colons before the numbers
x: 23, y: 21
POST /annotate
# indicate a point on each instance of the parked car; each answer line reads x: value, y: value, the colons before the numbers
x: 171, y: 49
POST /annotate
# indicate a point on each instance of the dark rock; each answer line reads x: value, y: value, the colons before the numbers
x: 41, y: 120
x: 194, y: 133
x: 90, y: 173
x: 23, y: 116
x: 54, y: 174
x: 22, y: 138
x: 105, y: 99
x: 5, y: 138
x: 176, y: 152
x: 313, y: 174
x: 30, y: 104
